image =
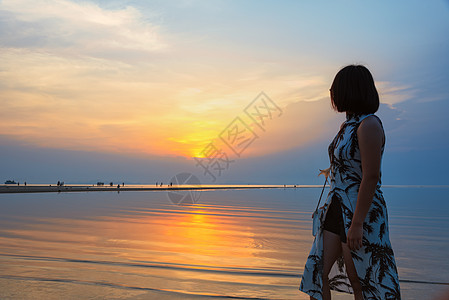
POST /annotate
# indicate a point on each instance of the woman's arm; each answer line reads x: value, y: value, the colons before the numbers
x: 371, y: 138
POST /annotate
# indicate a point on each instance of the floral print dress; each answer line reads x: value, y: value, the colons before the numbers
x: 374, y: 262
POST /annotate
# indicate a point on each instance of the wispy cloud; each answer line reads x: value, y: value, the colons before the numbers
x: 391, y: 93
x: 78, y: 75
x: 83, y: 27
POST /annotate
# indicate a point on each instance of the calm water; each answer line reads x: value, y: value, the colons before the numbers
x: 232, y: 243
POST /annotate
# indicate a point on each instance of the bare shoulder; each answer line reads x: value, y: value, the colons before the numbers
x: 371, y: 128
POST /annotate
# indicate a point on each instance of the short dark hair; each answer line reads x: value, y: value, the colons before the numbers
x: 353, y: 91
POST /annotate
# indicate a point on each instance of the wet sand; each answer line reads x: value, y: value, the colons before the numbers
x: 229, y: 244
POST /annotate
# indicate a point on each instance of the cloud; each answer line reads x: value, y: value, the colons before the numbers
x: 84, y: 28
x: 75, y: 75
x: 392, y: 93
x: 302, y: 123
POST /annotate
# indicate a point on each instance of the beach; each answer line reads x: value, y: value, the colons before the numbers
x: 43, y: 188
x: 230, y: 243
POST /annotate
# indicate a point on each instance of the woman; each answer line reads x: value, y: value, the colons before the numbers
x: 352, y: 251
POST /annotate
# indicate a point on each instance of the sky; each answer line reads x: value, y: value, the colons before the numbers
x: 133, y: 91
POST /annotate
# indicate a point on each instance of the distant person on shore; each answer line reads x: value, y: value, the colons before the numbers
x: 354, y: 225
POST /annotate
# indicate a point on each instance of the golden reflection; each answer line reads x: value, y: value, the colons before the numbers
x: 201, y: 233
x: 158, y: 245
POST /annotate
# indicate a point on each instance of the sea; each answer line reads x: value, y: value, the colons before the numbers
x: 213, y: 244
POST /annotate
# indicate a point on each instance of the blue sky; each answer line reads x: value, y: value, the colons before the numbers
x: 131, y: 90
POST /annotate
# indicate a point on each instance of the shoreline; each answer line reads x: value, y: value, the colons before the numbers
x: 10, y: 189
x: 14, y: 189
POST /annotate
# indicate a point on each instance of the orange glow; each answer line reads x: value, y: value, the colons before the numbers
x: 156, y: 245
x: 104, y: 106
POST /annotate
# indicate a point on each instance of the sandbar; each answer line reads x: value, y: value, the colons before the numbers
x: 94, y: 188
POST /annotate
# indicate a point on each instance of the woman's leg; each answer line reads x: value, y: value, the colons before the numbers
x: 352, y: 272
x: 331, y: 251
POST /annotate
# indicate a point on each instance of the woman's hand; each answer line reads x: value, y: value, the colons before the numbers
x: 354, y: 236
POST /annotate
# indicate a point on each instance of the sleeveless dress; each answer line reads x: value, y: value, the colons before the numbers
x: 374, y: 262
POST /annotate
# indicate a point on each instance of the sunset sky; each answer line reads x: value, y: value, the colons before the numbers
x: 132, y: 90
